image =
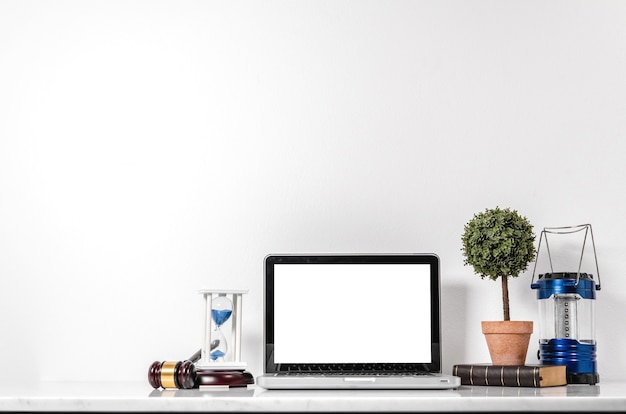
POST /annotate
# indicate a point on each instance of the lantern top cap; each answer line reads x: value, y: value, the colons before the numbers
x: 566, y: 275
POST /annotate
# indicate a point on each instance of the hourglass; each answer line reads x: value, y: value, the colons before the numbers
x: 221, y: 311
x: 220, y: 361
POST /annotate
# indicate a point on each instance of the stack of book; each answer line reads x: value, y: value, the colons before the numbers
x: 511, y: 375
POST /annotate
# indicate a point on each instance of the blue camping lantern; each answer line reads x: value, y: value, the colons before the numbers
x: 566, y: 311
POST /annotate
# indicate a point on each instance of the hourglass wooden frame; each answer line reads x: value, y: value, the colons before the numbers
x: 234, y: 362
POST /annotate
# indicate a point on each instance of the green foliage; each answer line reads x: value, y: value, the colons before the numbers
x: 498, y: 243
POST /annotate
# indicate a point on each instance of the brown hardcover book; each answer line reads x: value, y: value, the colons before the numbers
x: 511, y: 375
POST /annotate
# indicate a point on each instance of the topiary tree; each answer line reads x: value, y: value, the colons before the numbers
x: 499, y: 243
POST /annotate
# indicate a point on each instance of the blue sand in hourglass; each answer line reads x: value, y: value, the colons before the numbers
x: 221, y: 316
x: 217, y: 354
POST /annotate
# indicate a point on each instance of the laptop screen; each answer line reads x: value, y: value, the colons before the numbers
x: 352, y: 309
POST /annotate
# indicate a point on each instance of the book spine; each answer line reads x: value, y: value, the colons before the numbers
x: 505, y: 376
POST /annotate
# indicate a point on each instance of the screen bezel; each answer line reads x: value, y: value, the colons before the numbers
x: 415, y: 258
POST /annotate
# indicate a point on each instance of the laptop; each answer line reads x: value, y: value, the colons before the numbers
x: 352, y: 321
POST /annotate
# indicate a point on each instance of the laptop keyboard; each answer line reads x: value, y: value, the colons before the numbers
x: 354, y: 369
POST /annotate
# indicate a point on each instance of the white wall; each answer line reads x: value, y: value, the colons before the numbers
x: 149, y: 149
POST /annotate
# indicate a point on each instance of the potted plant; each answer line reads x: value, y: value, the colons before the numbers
x: 498, y: 244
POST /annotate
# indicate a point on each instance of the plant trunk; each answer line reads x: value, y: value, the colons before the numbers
x: 505, y: 297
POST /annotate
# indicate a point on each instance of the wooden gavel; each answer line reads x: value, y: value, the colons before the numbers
x: 174, y: 374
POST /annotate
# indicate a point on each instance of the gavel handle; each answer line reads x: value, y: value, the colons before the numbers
x: 195, y: 357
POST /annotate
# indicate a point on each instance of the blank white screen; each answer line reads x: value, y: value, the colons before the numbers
x: 352, y: 313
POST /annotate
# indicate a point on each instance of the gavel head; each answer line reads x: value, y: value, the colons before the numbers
x: 172, y: 374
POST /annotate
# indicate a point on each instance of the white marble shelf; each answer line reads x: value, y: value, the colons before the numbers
x: 140, y: 397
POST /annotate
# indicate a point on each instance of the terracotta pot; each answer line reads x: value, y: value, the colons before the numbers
x: 507, y: 341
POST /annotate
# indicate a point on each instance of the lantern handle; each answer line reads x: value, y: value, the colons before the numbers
x: 568, y: 230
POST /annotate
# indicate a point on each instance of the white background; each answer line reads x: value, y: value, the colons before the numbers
x: 149, y: 149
